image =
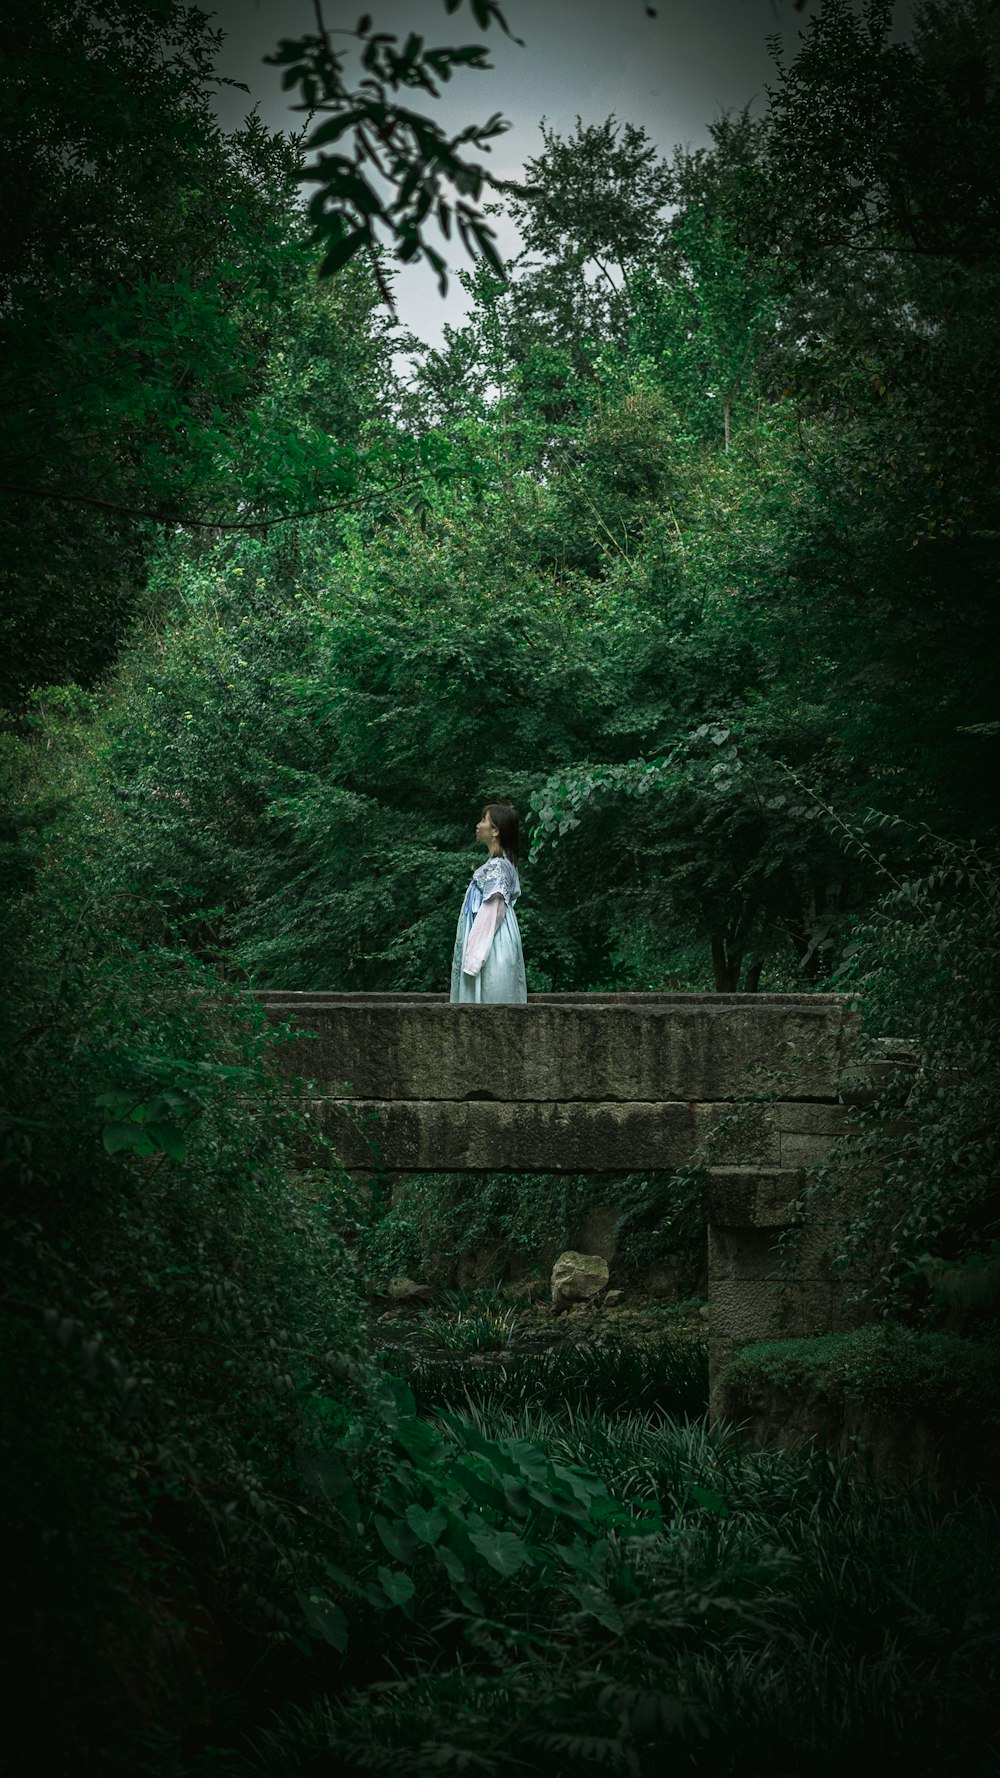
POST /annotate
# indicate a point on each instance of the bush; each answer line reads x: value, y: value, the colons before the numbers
x: 882, y: 1366
x: 916, y: 1185
x: 668, y: 1378
x: 788, y: 1617
x: 178, y: 1305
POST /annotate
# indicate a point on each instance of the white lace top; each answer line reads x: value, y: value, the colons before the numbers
x: 498, y: 874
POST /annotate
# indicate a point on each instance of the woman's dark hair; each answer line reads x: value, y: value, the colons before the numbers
x: 504, y: 819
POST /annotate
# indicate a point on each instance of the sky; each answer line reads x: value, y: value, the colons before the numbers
x: 671, y: 74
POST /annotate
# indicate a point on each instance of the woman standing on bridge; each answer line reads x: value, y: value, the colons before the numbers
x: 487, y: 968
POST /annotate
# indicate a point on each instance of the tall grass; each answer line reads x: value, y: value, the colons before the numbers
x: 669, y: 1378
x: 794, y: 1618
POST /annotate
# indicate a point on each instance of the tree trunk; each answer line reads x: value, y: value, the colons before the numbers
x: 725, y: 968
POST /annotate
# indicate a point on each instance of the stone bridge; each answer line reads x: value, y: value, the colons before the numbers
x: 749, y: 1086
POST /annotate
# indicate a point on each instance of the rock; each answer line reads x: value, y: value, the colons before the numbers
x: 577, y: 1278
x: 404, y: 1290
x: 612, y: 1297
x: 703, y: 1311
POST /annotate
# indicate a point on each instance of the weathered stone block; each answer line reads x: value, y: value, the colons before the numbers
x: 478, y: 1136
x: 752, y: 1197
x: 807, y: 1119
x: 743, y: 1309
x: 804, y: 1150
x: 563, y: 1047
x: 738, y: 1136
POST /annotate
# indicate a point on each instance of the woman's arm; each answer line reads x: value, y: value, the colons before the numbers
x: 484, y: 928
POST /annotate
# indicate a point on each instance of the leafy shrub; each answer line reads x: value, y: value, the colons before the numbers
x: 917, y: 1182
x: 790, y: 1615
x: 885, y: 1365
x: 175, y: 1297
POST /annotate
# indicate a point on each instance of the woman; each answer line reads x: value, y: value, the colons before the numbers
x: 487, y: 968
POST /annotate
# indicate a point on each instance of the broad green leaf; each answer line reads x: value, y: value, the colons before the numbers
x: 324, y: 1619
x: 707, y: 1497
x: 398, y: 1587
x: 453, y: 1566
x: 397, y: 1537
x: 117, y: 1136
x: 426, y: 1523
x: 169, y: 1138
x: 503, y: 1550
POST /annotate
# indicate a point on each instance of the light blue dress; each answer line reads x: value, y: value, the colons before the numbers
x: 501, y: 979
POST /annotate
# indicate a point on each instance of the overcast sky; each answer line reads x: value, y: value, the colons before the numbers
x: 671, y: 74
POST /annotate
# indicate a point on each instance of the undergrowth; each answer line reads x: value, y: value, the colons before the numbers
x: 671, y: 1377
x: 789, y: 1617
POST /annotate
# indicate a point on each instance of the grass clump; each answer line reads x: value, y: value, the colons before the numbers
x: 668, y: 1378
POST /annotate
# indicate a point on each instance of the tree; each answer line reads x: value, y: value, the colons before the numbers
x: 145, y: 279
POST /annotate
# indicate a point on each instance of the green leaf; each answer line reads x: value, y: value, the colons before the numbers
x: 324, y: 1619
x: 398, y: 1587
x: 503, y: 1550
x: 453, y: 1565
x: 117, y: 1137
x: 168, y: 1138
x: 708, y: 1498
x: 398, y: 1539
x: 597, y: 1604
x: 517, y: 1497
x: 417, y: 1440
x: 483, y: 1492
x: 426, y: 1524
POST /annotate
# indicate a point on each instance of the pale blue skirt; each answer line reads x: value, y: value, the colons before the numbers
x: 501, y: 980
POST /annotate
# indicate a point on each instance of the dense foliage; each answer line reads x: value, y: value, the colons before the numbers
x: 686, y: 541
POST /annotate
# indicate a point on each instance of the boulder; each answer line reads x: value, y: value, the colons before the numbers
x: 577, y: 1278
x: 405, y: 1290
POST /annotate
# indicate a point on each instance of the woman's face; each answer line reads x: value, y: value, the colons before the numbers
x: 486, y: 833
